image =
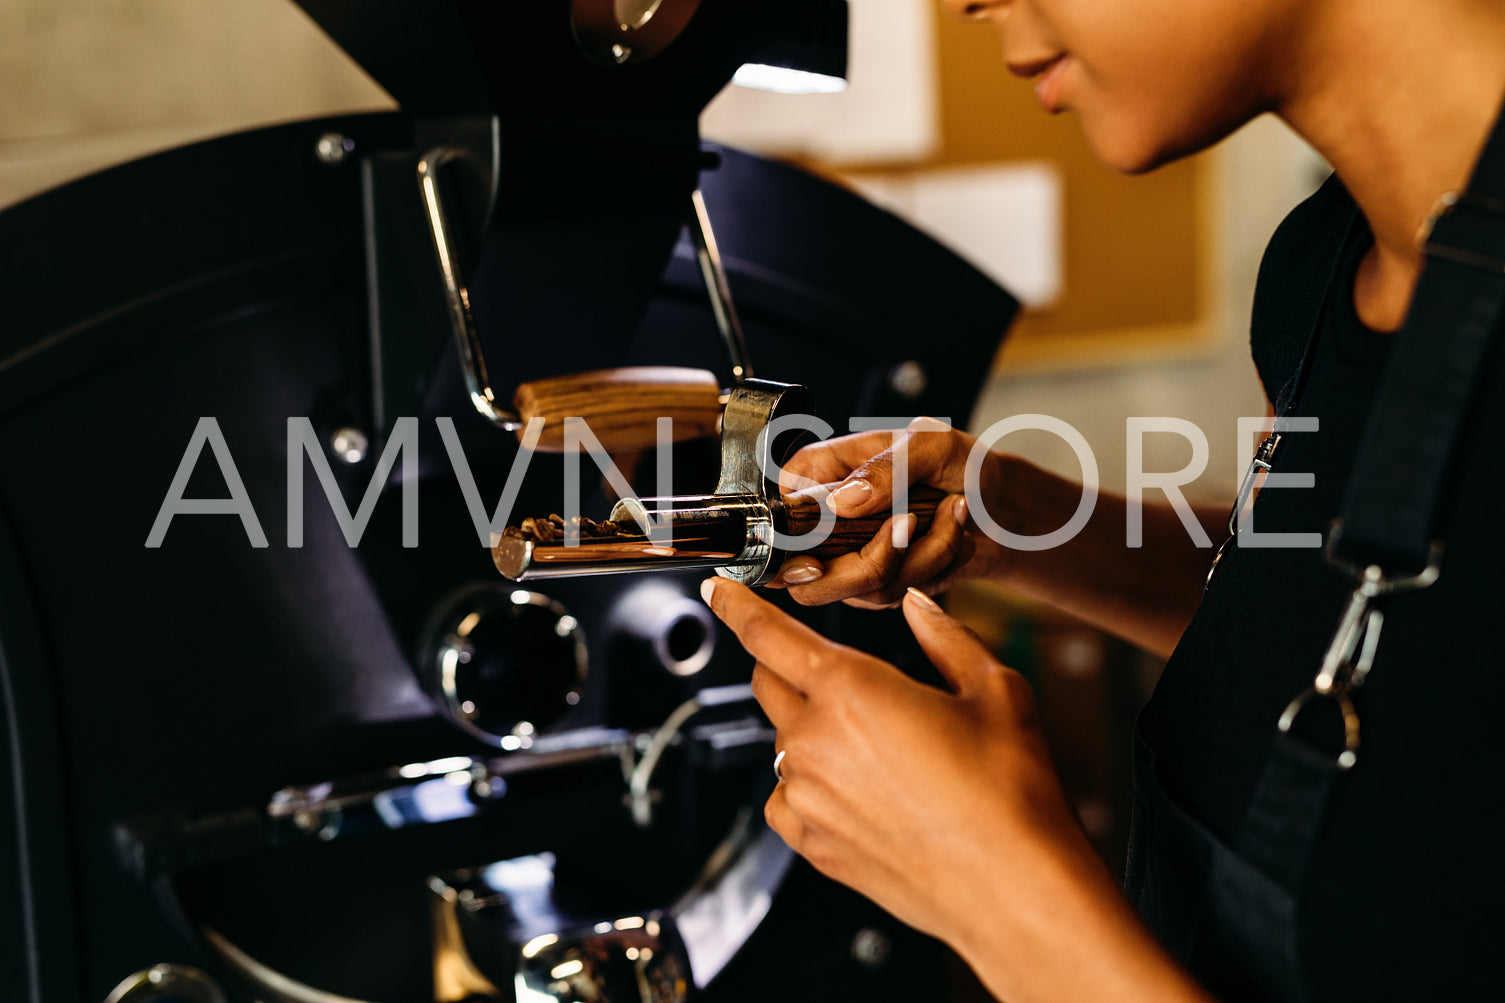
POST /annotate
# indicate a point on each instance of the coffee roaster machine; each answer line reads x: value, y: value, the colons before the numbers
x: 242, y: 766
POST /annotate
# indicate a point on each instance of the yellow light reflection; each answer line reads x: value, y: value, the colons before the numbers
x: 537, y: 944
x: 568, y: 968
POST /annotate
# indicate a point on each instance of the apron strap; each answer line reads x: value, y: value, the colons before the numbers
x: 1399, y: 474
x: 1386, y: 530
x: 1289, y: 803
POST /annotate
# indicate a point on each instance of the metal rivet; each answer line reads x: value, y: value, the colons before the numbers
x: 349, y: 444
x: 871, y: 947
x: 621, y: 53
x: 908, y: 379
x: 333, y: 148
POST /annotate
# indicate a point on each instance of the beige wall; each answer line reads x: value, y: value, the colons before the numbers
x: 88, y: 83
x: 1255, y: 177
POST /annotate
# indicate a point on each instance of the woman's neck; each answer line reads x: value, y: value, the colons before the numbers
x: 1399, y: 97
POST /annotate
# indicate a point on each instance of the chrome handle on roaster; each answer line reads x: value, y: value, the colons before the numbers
x: 456, y: 294
x: 462, y: 321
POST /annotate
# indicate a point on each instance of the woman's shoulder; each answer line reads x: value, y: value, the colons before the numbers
x: 1295, y: 276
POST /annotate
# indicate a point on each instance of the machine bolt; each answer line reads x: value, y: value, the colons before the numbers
x: 349, y: 444
x: 908, y: 379
x: 333, y: 149
x: 871, y: 947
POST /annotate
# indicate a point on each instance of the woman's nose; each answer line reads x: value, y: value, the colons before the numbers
x: 973, y: 10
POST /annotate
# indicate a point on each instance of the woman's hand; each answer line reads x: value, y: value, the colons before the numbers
x: 942, y: 807
x: 869, y: 464
x: 898, y: 789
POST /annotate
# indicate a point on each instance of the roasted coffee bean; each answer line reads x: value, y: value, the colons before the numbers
x: 555, y: 528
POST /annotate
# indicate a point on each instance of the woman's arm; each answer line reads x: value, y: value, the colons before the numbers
x: 1146, y: 594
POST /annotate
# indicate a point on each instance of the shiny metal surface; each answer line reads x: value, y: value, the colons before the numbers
x: 651, y: 956
x: 730, y: 531
x: 167, y: 984
x: 271, y: 986
x: 506, y: 915
x: 908, y: 379
x: 633, y: 14
x: 456, y: 295
x: 871, y: 948
x: 731, y: 897
x: 504, y: 663
x: 696, y: 533
x: 462, y: 786
x: 746, y: 457
x: 614, y: 32
x: 333, y: 149
x: 349, y: 444
x: 1346, y: 709
x: 441, y: 790
x: 676, y: 629
x: 640, y: 777
x: 631, y: 959
x: 720, y: 290
x: 710, y: 531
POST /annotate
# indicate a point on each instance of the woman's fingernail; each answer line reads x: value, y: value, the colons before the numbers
x: 851, y: 494
x: 903, y: 530
x: 960, y: 510
x: 800, y: 573
x: 923, y: 601
x: 708, y: 589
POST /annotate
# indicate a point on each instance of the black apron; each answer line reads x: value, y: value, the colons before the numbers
x: 1230, y: 912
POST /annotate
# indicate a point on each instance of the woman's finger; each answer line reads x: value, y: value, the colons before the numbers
x: 779, y: 700
x: 941, y: 552
x: 783, y: 644
x: 877, y: 577
x: 783, y: 821
x: 958, y: 653
x: 876, y: 565
x: 831, y: 460
x: 932, y: 559
x: 798, y: 570
x: 927, y: 451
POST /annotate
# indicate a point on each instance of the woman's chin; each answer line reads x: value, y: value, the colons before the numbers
x: 1127, y: 154
x: 1137, y: 151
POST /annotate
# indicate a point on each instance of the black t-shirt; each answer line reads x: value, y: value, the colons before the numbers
x: 1405, y: 896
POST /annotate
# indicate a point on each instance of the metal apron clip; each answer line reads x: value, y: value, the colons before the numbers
x: 1259, y: 466
x: 1350, y: 653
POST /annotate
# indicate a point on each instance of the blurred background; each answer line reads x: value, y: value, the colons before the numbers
x: 1138, y: 289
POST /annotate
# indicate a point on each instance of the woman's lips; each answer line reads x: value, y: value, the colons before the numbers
x: 1048, y: 73
x: 1048, y: 87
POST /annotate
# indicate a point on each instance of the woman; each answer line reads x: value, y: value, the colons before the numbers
x: 944, y: 807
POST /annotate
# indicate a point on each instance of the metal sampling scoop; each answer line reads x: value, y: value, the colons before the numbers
x: 743, y: 530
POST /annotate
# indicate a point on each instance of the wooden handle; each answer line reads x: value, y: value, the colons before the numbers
x: 622, y: 406
x: 802, y: 511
